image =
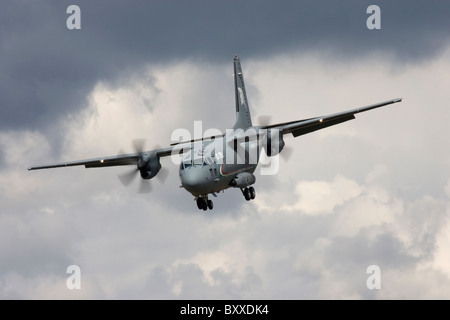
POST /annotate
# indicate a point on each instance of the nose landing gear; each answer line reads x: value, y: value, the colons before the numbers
x: 203, y: 203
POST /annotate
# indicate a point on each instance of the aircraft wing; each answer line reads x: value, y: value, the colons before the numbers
x: 300, y: 127
x: 119, y: 160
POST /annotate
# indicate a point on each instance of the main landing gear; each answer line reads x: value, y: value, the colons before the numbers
x: 203, y: 203
x: 249, y: 193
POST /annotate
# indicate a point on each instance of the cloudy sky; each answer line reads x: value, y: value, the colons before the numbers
x: 373, y: 191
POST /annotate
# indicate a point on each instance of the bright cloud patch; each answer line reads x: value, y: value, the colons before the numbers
x: 323, y: 197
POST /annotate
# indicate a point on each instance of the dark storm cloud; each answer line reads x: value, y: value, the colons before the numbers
x: 47, y: 70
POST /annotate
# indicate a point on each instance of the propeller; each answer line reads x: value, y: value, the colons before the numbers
x: 265, y: 120
x: 138, y: 145
x: 163, y: 173
x: 127, y: 177
x: 145, y: 185
x: 286, y: 153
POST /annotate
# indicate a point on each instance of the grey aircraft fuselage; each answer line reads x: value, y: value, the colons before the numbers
x: 208, y: 171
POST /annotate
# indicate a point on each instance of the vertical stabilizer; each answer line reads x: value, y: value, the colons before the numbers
x: 243, y: 119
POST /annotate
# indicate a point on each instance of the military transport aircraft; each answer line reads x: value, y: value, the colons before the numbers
x: 212, y: 164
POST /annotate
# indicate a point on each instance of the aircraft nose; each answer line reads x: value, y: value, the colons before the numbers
x: 192, y: 182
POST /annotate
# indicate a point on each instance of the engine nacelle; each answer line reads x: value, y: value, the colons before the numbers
x: 149, y: 165
x: 242, y: 180
x: 275, y: 142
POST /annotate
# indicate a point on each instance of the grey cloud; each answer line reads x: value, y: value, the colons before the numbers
x: 35, y: 244
x: 47, y: 70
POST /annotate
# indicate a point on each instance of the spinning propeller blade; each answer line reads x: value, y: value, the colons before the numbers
x: 127, y: 177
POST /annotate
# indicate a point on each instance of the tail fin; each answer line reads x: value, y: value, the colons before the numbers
x: 243, y: 118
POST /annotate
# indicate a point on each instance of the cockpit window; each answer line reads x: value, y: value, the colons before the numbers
x: 198, y: 162
x: 209, y: 160
x: 185, y: 165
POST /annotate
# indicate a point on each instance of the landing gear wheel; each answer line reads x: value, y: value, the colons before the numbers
x: 247, y: 195
x: 252, y: 193
x: 200, y: 203
x: 204, y: 204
